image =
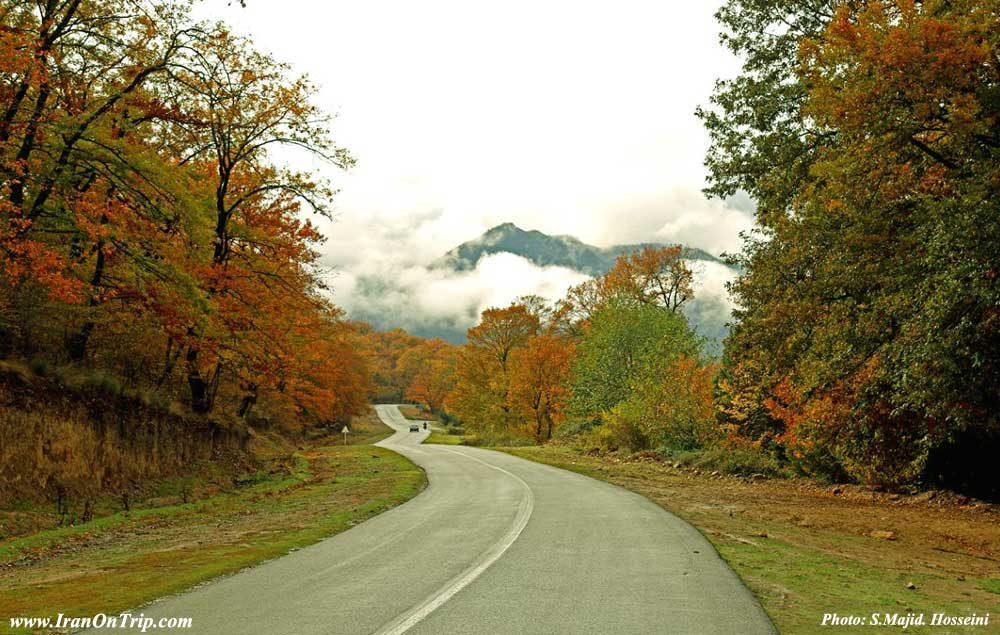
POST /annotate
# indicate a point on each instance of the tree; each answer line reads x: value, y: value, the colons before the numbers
x: 385, y: 348
x: 434, y: 382
x: 239, y: 105
x: 429, y: 368
x: 538, y: 384
x: 482, y: 376
x: 623, y: 340
x: 653, y: 275
x: 868, y: 134
x: 669, y: 407
x: 144, y: 223
x: 657, y: 276
x: 500, y: 331
x: 79, y: 180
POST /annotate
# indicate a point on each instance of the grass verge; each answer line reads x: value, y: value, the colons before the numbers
x: 123, y: 560
x: 443, y: 438
x: 805, y: 550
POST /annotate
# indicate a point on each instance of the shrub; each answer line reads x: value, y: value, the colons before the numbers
x: 738, y: 459
x: 575, y: 427
x: 40, y: 366
x: 449, y: 419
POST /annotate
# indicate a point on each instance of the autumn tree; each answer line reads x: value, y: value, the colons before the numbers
x: 384, y: 349
x: 538, y: 383
x: 482, y: 384
x: 657, y: 276
x: 79, y: 181
x: 500, y: 331
x: 868, y: 133
x: 429, y: 370
x: 653, y: 275
x: 144, y: 224
x: 239, y: 105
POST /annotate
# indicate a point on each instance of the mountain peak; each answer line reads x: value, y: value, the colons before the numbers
x: 505, y: 228
x: 544, y: 250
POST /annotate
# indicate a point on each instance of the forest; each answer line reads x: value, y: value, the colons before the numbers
x: 162, y: 292
x: 155, y: 256
x: 866, y: 339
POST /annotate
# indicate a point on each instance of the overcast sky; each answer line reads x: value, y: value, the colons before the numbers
x: 567, y: 117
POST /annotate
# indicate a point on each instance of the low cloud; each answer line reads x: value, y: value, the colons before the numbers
x: 437, y: 302
x: 382, y: 273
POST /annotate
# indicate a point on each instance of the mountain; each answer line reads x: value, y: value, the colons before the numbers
x: 545, y: 250
x: 708, y: 313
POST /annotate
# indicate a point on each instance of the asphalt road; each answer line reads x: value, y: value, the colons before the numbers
x: 495, y: 544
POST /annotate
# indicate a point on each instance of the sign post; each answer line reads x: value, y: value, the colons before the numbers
x: 346, y: 431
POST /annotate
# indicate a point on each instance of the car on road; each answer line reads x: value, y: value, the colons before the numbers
x: 414, y: 427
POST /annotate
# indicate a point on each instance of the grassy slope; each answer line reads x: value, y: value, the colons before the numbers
x: 124, y: 560
x: 805, y: 551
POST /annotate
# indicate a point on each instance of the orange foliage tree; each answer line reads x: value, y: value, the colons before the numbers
x: 538, y: 390
x: 481, y: 397
x: 145, y: 227
x: 429, y: 368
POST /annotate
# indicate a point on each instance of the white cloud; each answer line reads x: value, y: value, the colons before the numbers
x: 437, y: 301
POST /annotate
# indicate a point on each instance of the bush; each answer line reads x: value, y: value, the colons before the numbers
x: 40, y: 367
x: 103, y: 383
x: 449, y: 419
x: 575, y: 427
x: 730, y: 457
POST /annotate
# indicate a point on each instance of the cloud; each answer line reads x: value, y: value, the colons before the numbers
x: 711, y: 310
x: 381, y: 275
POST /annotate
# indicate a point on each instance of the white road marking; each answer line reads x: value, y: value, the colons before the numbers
x: 411, y: 618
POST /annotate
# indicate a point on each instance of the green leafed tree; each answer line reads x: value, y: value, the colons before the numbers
x: 868, y: 331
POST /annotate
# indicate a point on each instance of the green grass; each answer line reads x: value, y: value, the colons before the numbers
x: 443, y: 438
x: 992, y: 586
x: 126, y: 559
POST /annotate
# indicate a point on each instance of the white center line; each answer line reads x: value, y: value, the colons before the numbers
x: 411, y: 618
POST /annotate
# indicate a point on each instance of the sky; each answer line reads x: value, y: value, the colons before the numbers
x: 567, y: 117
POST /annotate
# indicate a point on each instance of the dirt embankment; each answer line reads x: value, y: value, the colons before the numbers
x: 72, y: 445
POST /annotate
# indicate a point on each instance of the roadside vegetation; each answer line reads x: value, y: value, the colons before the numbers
x: 417, y: 413
x: 154, y: 256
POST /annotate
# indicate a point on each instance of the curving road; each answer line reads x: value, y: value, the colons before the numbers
x: 495, y: 544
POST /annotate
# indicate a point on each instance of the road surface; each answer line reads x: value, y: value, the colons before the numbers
x: 494, y: 545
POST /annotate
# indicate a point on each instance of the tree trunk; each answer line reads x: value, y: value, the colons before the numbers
x: 200, y: 401
x: 76, y: 346
x: 247, y: 404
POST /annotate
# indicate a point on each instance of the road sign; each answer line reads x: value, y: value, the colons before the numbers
x: 346, y: 430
